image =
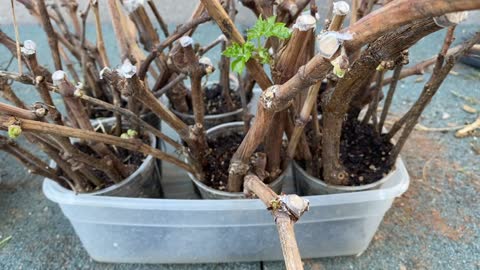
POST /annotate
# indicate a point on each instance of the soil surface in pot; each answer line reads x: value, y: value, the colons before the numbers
x: 222, y: 149
x: 363, y: 152
x: 214, y: 101
x: 131, y: 159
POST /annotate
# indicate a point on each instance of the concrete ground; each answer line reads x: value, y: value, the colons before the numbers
x: 434, y: 225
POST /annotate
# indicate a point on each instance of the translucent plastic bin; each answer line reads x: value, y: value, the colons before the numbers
x: 135, y: 230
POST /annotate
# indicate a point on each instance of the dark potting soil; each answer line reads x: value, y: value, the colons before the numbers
x: 214, y: 101
x: 220, y: 153
x: 132, y: 159
x: 363, y: 153
x: 222, y: 149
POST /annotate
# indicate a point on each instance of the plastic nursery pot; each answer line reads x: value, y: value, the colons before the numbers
x: 211, y: 120
x: 310, y: 185
x: 210, y: 193
x: 143, y: 183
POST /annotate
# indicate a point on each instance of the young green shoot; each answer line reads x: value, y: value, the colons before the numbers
x: 263, y: 29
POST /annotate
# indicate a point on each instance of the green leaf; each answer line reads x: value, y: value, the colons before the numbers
x: 264, y: 55
x: 281, y: 31
x: 258, y: 30
x: 238, y: 65
x: 14, y: 131
x: 234, y: 50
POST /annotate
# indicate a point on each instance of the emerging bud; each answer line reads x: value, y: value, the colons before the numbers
x: 14, y: 131
x: 132, y: 133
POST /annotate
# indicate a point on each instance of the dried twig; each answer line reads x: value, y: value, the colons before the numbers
x: 468, y: 129
x: 286, y: 210
x: 17, y: 38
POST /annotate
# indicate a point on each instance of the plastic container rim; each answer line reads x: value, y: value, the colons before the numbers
x: 60, y: 195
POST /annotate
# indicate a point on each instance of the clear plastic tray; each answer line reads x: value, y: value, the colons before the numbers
x: 135, y: 230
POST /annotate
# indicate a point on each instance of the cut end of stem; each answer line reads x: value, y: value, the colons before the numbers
x: 186, y: 41
x: 341, y: 8
x: 132, y: 5
x: 451, y: 19
x: 105, y: 69
x: 305, y: 22
x: 127, y: 70
x: 29, y: 47
x: 58, y: 77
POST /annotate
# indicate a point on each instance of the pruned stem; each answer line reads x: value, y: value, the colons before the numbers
x: 373, y: 105
x: 159, y: 18
x: 100, y: 42
x: 130, y: 144
x: 131, y: 116
x: 171, y: 84
x: 303, y: 119
x: 440, y: 72
x: 34, y: 164
x: 52, y: 37
x: 388, y: 100
x: 168, y: 41
x: 225, y: 79
x: 286, y: 210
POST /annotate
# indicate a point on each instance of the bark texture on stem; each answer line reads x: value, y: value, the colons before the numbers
x: 286, y: 210
x: 336, y: 105
x: 52, y: 38
x: 130, y: 144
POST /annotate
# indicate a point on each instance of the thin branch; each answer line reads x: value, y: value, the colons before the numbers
x: 52, y: 37
x: 130, y: 144
x: 159, y: 18
x: 131, y: 116
x: 100, y: 41
x: 388, y: 100
x: 170, y: 85
x: 168, y: 41
x: 17, y: 38
x: 440, y: 72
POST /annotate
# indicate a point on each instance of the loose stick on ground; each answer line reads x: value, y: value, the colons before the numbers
x: 286, y: 210
x: 468, y: 129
